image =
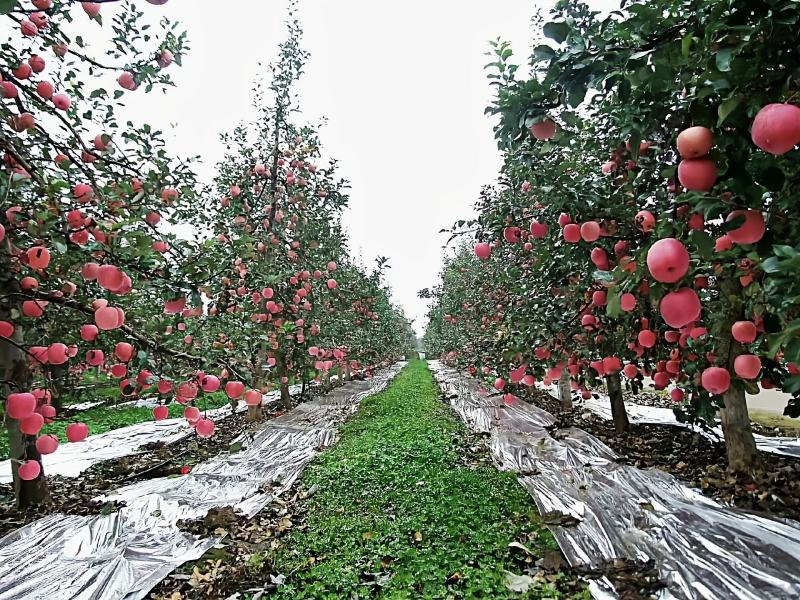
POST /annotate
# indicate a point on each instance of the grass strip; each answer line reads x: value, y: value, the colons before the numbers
x: 399, y: 514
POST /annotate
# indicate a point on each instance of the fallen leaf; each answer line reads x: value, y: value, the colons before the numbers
x: 518, y: 583
x: 520, y: 547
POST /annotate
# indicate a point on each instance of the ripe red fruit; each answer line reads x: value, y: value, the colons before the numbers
x: 252, y: 398
x: 698, y: 174
x: 630, y: 371
x: 747, y: 366
x: 483, y: 250
x: 599, y: 298
x: 33, y: 308
x: 47, y: 444
x: 191, y: 413
x: 723, y: 243
x: 160, y: 413
x: 744, y: 332
x: 681, y: 307
x: 6, y: 329
x: 627, y: 302
x: 499, y: 384
x: 123, y: 351
x: 716, y: 380
x: 695, y: 142
x: 95, y: 358
x: 23, y: 71
x: 599, y: 259
x: 29, y: 470
x: 234, y: 389
x: 543, y: 130
x: 776, y: 128
x: 205, y: 428
x: 668, y: 260
x: 77, y: 432
x: 676, y: 394
x: 20, y: 405
x: 751, y: 231
x: 210, y: 383
x: 38, y: 257
x: 91, y: 8
x: 572, y: 233
x: 127, y: 81
x: 645, y: 220
x: 696, y: 222
x: 57, y: 353
x: 108, y: 317
x: 647, y: 338
x: 32, y: 424
x: 512, y: 235
x: 28, y: 28
x: 538, y: 230
x: 590, y: 231
x: 61, y: 101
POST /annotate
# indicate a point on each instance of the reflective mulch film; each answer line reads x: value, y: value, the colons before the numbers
x: 125, y: 554
x: 70, y: 460
x: 701, y: 548
x: 654, y: 415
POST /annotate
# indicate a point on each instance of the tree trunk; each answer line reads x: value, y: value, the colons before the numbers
x: 739, y: 442
x: 564, y: 391
x: 618, y: 412
x: 15, y: 374
x: 285, y: 402
x: 740, y: 445
x: 59, y: 375
x: 256, y: 413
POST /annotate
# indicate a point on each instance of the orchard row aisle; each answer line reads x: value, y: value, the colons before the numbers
x: 407, y: 504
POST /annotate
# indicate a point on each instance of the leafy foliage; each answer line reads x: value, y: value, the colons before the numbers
x: 619, y: 89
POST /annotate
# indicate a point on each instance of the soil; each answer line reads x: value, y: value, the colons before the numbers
x: 693, y: 458
x: 74, y: 495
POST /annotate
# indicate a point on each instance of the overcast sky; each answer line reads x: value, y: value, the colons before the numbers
x: 403, y: 88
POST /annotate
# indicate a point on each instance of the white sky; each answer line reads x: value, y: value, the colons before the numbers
x: 403, y: 87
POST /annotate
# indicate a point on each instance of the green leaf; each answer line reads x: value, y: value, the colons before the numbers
x: 723, y: 58
x: 704, y: 243
x: 6, y: 6
x: 686, y: 45
x: 613, y: 300
x: 556, y: 31
x: 543, y: 52
x: 727, y: 107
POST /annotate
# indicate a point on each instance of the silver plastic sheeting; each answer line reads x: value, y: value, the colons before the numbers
x: 654, y: 415
x: 70, y: 460
x: 701, y: 548
x: 123, y: 555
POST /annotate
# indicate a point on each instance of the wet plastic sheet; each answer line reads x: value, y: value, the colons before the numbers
x: 124, y: 554
x: 701, y: 548
x: 70, y: 460
x: 654, y: 415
